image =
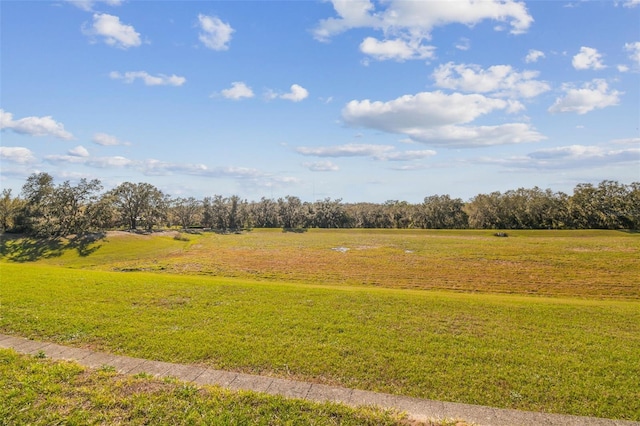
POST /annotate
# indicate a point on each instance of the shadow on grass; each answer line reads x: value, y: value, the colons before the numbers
x: 630, y: 231
x: 20, y: 248
x: 295, y: 230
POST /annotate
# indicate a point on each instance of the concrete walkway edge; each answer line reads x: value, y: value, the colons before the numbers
x: 416, y: 408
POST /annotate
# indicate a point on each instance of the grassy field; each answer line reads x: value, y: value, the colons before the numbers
x: 601, y: 264
x: 40, y: 392
x: 349, y: 308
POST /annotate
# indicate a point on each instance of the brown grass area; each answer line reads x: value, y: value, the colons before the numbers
x: 546, y: 264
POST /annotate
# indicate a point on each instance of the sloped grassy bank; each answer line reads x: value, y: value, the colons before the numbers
x: 40, y: 392
x: 563, y: 355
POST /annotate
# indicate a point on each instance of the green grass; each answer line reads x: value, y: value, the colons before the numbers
x: 41, y: 392
x: 565, y: 355
x: 291, y: 305
x: 593, y: 264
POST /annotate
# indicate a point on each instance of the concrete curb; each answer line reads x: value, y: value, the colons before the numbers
x: 416, y: 408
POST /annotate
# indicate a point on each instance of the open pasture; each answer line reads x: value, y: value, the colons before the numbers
x: 602, y: 264
x: 260, y: 302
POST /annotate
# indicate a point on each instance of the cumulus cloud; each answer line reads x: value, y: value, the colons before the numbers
x: 214, y: 33
x: 592, y: 95
x: 148, y: 79
x: 421, y: 17
x: 79, y: 151
x: 34, y: 126
x: 113, y: 32
x: 631, y: 3
x: 436, y: 118
x: 237, y: 91
x: 105, y: 139
x: 397, y: 49
x: 533, y: 56
x: 296, y: 93
x: 321, y: 166
x: 17, y: 154
x: 634, y: 52
x: 588, y: 58
x: 378, y: 152
x: 405, y: 24
x: 501, y: 80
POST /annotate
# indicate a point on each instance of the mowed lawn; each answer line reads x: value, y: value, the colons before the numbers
x: 350, y: 308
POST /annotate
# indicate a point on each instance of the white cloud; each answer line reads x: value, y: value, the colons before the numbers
x: 592, y: 95
x: 626, y: 141
x: 348, y: 150
x: 477, y: 136
x: 378, y: 152
x: 398, y: 49
x: 148, y: 79
x: 571, y: 157
x: 296, y: 94
x: 634, y: 52
x: 16, y: 154
x: 34, y: 126
x: 623, y: 68
x: 79, y: 151
x: 588, y: 58
x: 631, y: 3
x: 420, y: 18
x: 87, y: 5
x: 463, y: 44
x: 113, y: 31
x: 238, y: 91
x: 405, y: 24
x: 321, y: 166
x: 105, y: 139
x: 501, y: 80
x: 425, y: 109
x: 533, y: 56
x: 153, y: 167
x: 435, y: 118
x: 214, y: 34
x: 99, y: 162
x: 408, y: 155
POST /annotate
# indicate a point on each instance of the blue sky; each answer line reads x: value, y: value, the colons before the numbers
x: 359, y: 100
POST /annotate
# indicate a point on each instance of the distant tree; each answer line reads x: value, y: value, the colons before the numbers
x: 236, y: 213
x: 186, y: 211
x: 442, y: 212
x: 633, y: 205
x: 104, y: 212
x: 484, y: 211
x: 606, y: 206
x: 292, y: 213
x: 39, y: 218
x: 329, y: 213
x: 216, y: 213
x: 73, y: 205
x: 140, y: 203
x: 264, y: 213
x: 58, y: 211
x: 9, y: 210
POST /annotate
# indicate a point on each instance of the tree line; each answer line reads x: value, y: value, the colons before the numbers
x: 46, y: 209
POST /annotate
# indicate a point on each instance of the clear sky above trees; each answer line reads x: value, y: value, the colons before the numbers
x: 359, y: 100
